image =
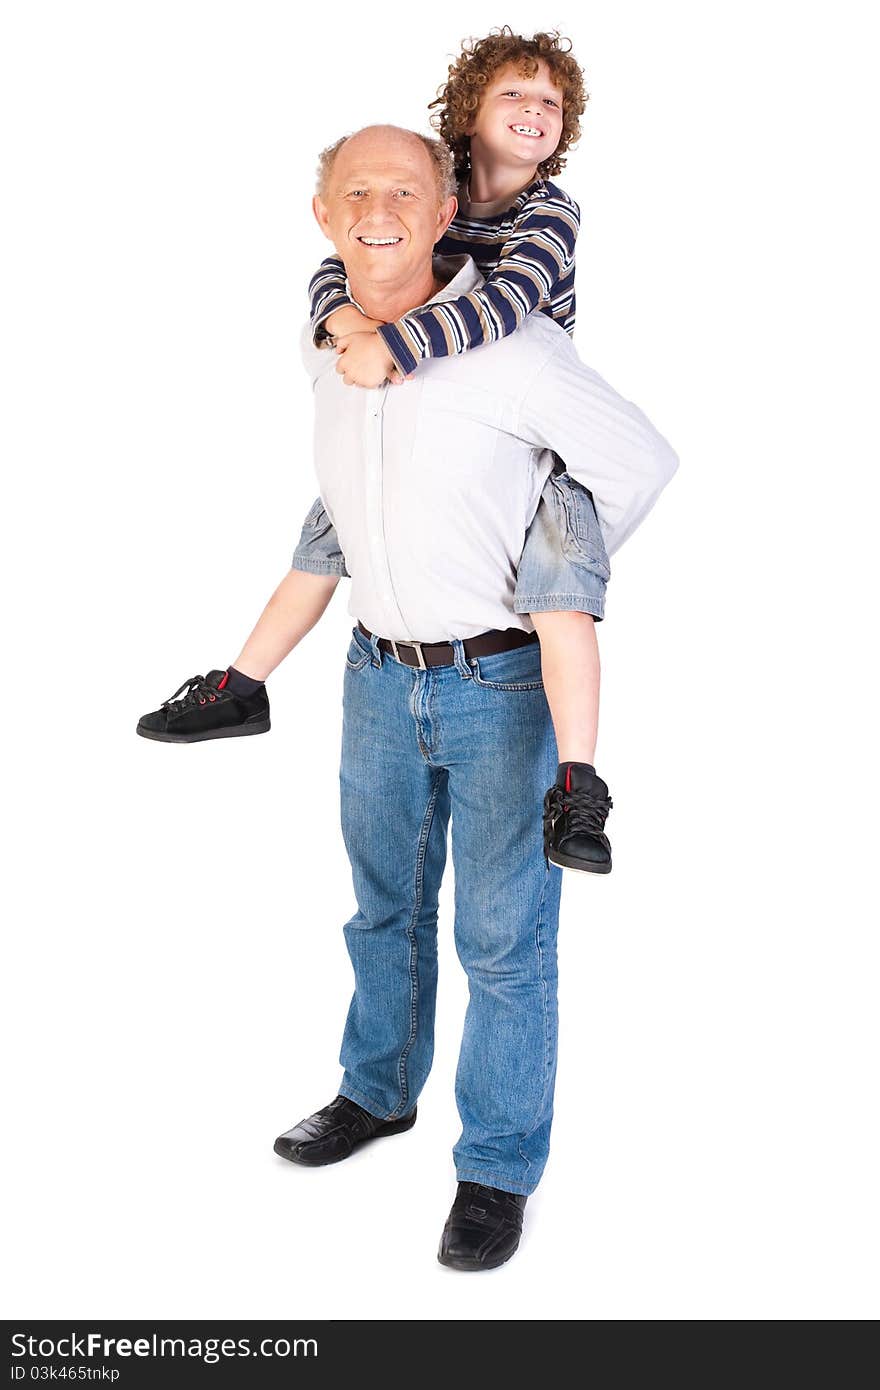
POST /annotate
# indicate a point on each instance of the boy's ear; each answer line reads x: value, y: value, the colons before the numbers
x: 445, y: 214
x: 321, y: 217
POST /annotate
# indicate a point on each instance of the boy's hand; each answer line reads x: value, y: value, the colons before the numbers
x: 349, y: 320
x: 364, y: 360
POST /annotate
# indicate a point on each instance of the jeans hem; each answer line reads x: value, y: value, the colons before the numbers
x: 559, y: 603
x: 365, y: 1102
x: 301, y: 562
x: 495, y: 1180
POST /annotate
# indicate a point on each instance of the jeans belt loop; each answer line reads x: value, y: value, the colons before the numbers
x: 417, y: 648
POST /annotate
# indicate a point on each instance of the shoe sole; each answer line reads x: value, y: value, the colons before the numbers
x: 260, y: 726
x: 563, y: 861
x: 391, y: 1127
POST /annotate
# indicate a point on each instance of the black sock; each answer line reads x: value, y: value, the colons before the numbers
x: 241, y: 684
x: 561, y: 770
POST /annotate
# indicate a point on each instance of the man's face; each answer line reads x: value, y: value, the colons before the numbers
x: 381, y: 207
x: 519, y: 121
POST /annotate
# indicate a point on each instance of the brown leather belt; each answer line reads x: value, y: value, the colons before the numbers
x: 425, y: 654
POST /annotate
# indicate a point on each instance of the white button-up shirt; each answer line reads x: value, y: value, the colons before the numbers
x: 432, y: 485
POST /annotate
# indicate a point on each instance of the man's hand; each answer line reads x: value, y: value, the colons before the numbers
x: 364, y: 360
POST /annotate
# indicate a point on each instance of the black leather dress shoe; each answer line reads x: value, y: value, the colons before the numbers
x: 332, y: 1134
x: 483, y: 1227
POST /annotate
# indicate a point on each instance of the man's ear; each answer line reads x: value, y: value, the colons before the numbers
x: 321, y: 216
x: 445, y: 214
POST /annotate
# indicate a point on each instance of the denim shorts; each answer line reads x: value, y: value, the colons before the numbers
x: 563, y: 565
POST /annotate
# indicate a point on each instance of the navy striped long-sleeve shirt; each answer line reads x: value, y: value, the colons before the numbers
x: 526, y: 255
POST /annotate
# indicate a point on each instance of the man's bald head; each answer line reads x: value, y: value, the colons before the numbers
x: 385, y: 198
x: 391, y: 138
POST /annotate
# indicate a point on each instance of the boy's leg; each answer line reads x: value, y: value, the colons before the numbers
x: 230, y: 702
x: 297, y: 603
x: 223, y: 705
x: 570, y: 670
x: 292, y: 611
x: 561, y: 581
x: 233, y: 701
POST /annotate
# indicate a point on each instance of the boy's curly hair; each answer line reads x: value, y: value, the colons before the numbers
x: 477, y: 64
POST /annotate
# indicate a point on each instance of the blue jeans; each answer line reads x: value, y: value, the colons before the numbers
x: 563, y: 565
x: 473, y: 740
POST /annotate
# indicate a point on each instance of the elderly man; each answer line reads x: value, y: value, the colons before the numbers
x: 427, y: 492
x: 430, y: 488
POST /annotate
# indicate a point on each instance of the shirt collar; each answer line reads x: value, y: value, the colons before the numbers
x: 459, y: 272
x: 488, y: 212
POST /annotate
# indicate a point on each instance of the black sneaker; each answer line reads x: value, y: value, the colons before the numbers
x: 575, y: 810
x: 207, y: 709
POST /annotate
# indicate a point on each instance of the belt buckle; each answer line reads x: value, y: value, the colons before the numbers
x: 417, y: 648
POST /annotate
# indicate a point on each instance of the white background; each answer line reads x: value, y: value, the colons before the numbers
x: 176, y: 977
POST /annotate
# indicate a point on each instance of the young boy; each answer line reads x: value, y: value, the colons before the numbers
x: 509, y: 111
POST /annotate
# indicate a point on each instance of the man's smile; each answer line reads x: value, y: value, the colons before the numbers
x: 380, y: 241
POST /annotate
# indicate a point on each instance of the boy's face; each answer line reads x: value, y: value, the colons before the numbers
x: 519, y: 120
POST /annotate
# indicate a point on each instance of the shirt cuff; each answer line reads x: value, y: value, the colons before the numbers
x: 393, y: 340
